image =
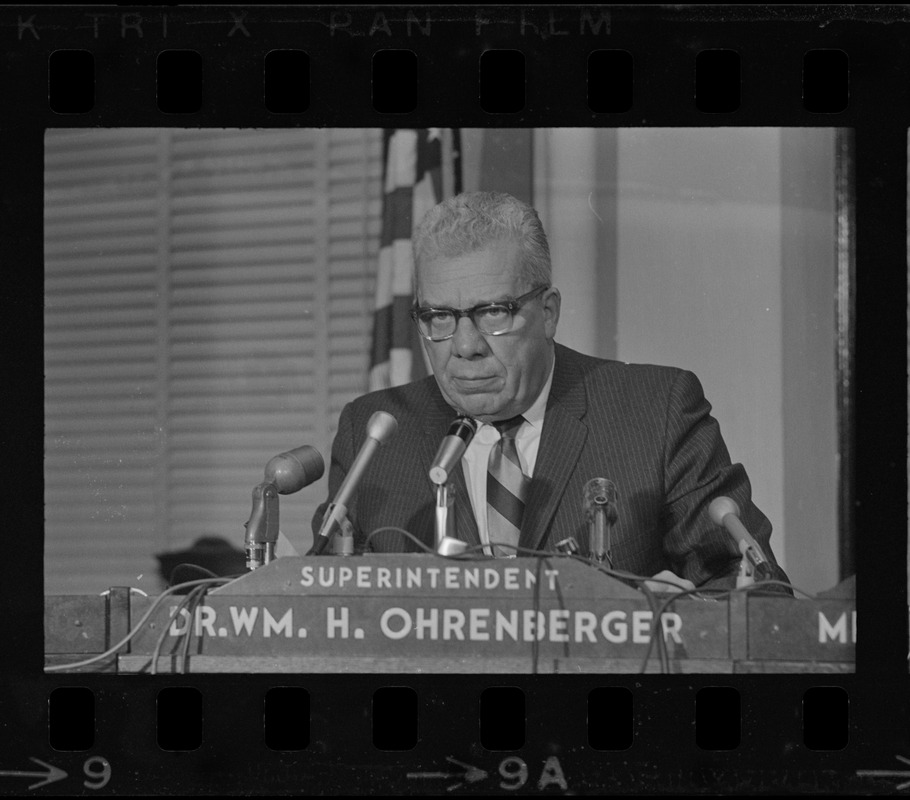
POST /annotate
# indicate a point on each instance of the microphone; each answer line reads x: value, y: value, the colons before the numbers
x: 381, y: 427
x: 600, y: 512
x: 293, y: 470
x: 455, y: 442
x: 285, y: 473
x: 725, y: 512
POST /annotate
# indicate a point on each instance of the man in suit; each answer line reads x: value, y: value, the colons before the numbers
x: 488, y: 315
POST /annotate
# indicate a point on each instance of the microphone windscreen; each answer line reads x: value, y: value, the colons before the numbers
x: 452, y: 448
x: 600, y: 491
x: 293, y: 470
x: 382, y: 426
x: 720, y: 507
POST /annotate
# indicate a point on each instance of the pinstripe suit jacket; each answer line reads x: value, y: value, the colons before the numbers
x: 646, y: 428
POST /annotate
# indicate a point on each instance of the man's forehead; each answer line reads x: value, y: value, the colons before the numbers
x: 467, y: 293
x: 491, y: 273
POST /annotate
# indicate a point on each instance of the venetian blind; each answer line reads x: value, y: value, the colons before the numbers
x: 207, y: 304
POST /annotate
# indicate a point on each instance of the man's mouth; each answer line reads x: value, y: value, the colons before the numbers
x: 475, y: 383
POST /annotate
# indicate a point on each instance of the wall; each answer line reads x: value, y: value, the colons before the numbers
x: 575, y: 195
x: 713, y: 250
x: 808, y: 257
x: 497, y: 159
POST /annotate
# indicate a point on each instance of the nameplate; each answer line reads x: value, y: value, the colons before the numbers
x: 428, y: 575
x: 781, y: 629
x: 382, y: 605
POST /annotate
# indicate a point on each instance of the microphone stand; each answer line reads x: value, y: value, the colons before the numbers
x: 343, y: 540
x: 446, y: 543
x: 600, y: 529
x: 600, y: 510
x: 335, y: 531
x: 262, y: 527
x: 746, y: 574
x: 754, y: 569
x: 600, y: 546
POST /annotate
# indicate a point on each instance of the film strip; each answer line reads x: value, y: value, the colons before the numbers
x: 829, y: 727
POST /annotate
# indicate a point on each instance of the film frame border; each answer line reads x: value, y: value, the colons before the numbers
x: 771, y: 43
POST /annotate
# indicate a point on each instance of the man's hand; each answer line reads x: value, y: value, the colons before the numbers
x: 667, y: 581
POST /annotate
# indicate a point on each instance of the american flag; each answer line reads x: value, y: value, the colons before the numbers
x: 420, y: 168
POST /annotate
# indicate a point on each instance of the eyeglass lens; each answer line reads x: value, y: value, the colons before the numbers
x: 487, y: 319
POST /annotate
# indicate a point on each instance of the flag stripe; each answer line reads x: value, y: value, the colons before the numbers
x: 413, y: 180
x: 401, y: 162
x: 396, y: 215
x: 402, y: 324
x: 382, y: 336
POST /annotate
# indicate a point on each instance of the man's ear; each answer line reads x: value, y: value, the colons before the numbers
x: 552, y: 301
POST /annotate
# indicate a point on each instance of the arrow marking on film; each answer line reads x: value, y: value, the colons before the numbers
x: 889, y: 773
x: 49, y: 775
x: 471, y: 773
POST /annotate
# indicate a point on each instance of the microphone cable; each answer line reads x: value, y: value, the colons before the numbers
x: 191, y: 599
x: 113, y: 649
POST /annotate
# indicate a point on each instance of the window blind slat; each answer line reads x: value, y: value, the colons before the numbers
x: 65, y: 147
x: 63, y: 210
x: 103, y: 282
x: 61, y: 250
x: 102, y: 355
x: 67, y: 373
x: 235, y: 264
x: 219, y: 240
x: 86, y: 266
x: 104, y: 173
x: 193, y: 143
x: 182, y: 287
x: 81, y: 330
x: 297, y: 197
x: 266, y: 178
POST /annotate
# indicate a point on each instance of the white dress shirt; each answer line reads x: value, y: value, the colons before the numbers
x: 477, y: 455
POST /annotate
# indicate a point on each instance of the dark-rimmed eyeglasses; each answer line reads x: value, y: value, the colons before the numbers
x: 491, y: 319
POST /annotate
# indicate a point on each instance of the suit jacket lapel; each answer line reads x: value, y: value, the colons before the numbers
x: 561, y: 442
x: 438, y: 416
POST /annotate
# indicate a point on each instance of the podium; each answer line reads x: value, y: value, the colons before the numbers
x: 400, y: 613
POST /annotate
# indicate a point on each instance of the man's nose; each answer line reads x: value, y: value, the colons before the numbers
x: 467, y: 341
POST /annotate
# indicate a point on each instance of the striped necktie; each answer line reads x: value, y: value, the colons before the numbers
x: 507, y: 488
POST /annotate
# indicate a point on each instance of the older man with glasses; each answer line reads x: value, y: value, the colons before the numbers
x: 549, y: 419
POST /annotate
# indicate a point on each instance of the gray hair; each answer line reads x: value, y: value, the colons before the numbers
x: 473, y: 220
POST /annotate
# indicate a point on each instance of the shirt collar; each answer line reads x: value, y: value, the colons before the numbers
x: 534, y: 415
